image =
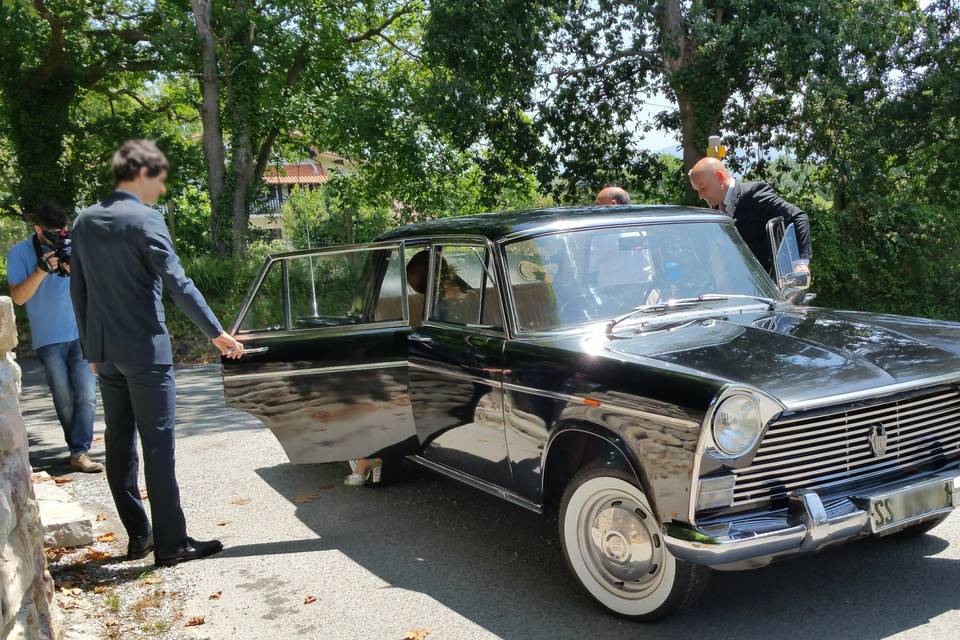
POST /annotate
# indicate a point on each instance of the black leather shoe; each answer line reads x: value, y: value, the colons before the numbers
x: 190, y: 550
x: 139, y: 547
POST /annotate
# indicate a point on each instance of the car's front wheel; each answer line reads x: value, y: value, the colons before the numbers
x: 612, y: 543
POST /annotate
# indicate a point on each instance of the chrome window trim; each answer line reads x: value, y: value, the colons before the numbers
x: 291, y: 373
x: 602, y: 222
x: 251, y: 292
x: 502, y: 243
x: 283, y: 258
x: 472, y: 242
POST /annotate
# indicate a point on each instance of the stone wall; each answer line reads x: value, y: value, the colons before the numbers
x: 26, y: 588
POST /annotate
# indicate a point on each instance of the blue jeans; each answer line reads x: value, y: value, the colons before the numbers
x: 74, y: 392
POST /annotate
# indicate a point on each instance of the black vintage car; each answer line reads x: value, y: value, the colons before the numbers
x: 634, y: 367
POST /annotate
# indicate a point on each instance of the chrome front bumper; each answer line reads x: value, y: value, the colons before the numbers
x: 811, y: 522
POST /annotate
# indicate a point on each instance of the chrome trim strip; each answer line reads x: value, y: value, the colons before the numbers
x: 291, y: 373
x: 326, y: 332
x: 638, y: 413
x: 604, y: 221
x: 876, y: 392
x: 815, y: 528
x: 841, y: 441
x: 477, y: 483
x: 814, y: 471
x: 776, y: 442
x: 804, y: 425
x: 455, y: 374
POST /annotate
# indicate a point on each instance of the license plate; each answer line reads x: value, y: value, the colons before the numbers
x: 913, y: 503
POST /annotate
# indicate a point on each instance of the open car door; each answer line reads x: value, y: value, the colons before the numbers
x: 325, y: 368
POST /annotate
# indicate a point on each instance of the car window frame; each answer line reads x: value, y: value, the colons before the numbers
x: 284, y: 259
x: 489, y: 250
x: 515, y: 332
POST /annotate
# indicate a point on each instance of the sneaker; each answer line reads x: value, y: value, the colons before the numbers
x: 82, y: 462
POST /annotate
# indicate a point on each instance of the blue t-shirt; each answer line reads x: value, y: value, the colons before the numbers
x: 50, y: 310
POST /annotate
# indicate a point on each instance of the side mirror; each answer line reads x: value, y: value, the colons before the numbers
x: 795, y: 280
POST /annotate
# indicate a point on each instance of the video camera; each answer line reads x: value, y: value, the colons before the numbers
x: 59, y: 241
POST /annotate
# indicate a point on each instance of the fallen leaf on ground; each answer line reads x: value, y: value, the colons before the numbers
x: 93, y: 554
x: 66, y: 584
x: 195, y: 621
x: 61, y: 479
x: 38, y: 478
x: 67, y: 604
x: 216, y: 596
x: 417, y: 634
x: 71, y: 591
x: 98, y: 440
x: 306, y: 498
x: 54, y: 553
x: 101, y: 517
x: 107, y: 537
x: 152, y: 580
x: 309, y: 599
x: 112, y: 623
x: 240, y: 501
x: 224, y: 523
x: 101, y: 588
x: 143, y: 495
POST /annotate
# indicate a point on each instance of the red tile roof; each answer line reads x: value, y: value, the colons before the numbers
x: 296, y: 174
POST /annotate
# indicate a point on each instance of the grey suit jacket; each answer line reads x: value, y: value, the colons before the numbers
x: 122, y: 259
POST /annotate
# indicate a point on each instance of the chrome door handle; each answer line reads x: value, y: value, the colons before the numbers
x: 421, y: 339
x: 256, y: 350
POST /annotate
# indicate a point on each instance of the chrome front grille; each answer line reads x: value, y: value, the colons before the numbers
x: 834, y: 448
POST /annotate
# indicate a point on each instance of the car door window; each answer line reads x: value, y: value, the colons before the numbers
x: 331, y: 288
x: 266, y: 311
x: 463, y: 289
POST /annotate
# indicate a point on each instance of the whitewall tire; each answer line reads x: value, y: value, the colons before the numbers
x: 612, y: 542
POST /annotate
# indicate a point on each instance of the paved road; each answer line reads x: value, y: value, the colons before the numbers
x: 431, y: 553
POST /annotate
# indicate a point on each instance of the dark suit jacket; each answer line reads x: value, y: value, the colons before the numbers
x: 754, y: 204
x: 122, y: 259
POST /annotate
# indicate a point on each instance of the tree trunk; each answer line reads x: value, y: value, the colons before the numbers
x: 242, y: 169
x: 213, y: 151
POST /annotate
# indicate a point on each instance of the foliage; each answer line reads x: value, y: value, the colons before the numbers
x: 191, y: 215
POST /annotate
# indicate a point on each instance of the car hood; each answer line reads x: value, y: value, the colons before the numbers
x: 798, y: 355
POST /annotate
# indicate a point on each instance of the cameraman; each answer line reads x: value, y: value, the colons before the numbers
x: 38, y: 271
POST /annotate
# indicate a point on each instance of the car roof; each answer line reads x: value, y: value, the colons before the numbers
x: 523, y: 223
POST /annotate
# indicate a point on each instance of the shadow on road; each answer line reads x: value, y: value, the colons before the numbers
x: 502, y: 568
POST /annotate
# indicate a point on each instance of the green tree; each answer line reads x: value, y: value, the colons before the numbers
x: 54, y: 52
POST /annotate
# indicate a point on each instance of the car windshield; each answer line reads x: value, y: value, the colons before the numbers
x: 565, y: 279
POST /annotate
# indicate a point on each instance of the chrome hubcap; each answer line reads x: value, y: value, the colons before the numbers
x: 620, y: 540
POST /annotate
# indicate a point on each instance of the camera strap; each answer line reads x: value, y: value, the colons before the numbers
x: 41, y: 261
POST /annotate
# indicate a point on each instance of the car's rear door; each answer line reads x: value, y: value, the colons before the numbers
x: 325, y: 333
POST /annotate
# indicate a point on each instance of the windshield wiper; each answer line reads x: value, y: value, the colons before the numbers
x: 675, y: 303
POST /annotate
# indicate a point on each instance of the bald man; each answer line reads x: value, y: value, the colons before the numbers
x: 612, y: 196
x: 751, y: 205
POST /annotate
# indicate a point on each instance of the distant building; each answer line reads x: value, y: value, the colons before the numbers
x: 307, y: 173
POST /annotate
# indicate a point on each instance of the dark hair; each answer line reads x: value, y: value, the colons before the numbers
x: 50, y: 216
x: 619, y: 195
x: 135, y: 155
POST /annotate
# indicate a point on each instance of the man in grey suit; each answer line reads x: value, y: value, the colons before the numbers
x: 751, y: 205
x: 123, y: 258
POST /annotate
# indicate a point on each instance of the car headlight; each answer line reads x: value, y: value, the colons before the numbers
x: 736, y: 425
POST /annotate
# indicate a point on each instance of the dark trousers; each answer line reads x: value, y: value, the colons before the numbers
x: 74, y: 391
x: 141, y: 399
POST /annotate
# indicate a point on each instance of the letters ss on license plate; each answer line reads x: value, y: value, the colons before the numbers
x: 911, y: 503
